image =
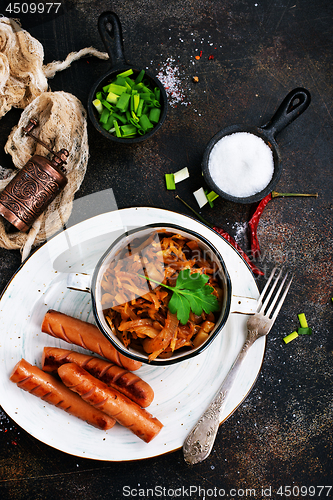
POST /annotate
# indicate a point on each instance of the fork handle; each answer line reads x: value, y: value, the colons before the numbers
x: 199, y: 442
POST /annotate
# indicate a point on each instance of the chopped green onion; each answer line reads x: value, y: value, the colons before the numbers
x: 201, y: 197
x: 154, y: 115
x: 302, y: 320
x: 135, y: 99
x: 121, y: 118
x: 106, y: 88
x: 98, y: 105
x: 134, y: 104
x: 128, y: 72
x: 140, y: 108
x: 109, y: 124
x: 117, y: 89
x: 128, y: 88
x: 304, y: 331
x: 123, y: 102
x: 134, y: 117
x: 120, y: 80
x: 140, y: 76
x: 181, y: 175
x: 290, y: 337
x: 147, y: 90
x: 170, y: 182
x: 106, y: 104
x: 104, y: 116
x: 145, y: 123
x: 211, y: 196
x: 138, y: 86
x: 127, y: 130
x: 116, y: 126
x: 111, y: 97
x: 135, y: 122
x: 146, y: 96
x: 129, y: 82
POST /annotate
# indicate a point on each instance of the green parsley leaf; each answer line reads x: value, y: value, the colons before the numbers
x: 191, y: 281
x: 191, y: 293
x: 178, y: 304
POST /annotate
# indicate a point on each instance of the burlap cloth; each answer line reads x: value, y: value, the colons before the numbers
x: 62, y: 124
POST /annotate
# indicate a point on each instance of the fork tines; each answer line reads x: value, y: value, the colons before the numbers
x: 266, y: 301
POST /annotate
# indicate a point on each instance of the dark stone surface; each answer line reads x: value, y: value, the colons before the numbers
x: 281, y: 435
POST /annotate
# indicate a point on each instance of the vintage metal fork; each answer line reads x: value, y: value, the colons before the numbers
x: 200, y: 440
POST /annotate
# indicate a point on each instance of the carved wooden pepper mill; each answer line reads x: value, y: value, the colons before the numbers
x: 34, y: 187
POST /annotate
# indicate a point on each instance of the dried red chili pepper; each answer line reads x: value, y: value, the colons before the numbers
x: 254, y: 220
x: 227, y: 237
x: 253, y: 225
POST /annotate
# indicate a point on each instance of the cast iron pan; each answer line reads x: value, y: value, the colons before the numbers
x: 291, y: 107
x: 109, y: 28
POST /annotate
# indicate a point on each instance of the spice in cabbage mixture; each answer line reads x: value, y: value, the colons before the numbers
x: 128, y: 107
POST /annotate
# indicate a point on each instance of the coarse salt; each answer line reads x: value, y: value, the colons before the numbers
x: 241, y: 164
x: 170, y: 79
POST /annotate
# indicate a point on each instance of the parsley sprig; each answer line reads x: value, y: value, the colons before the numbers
x: 191, y: 293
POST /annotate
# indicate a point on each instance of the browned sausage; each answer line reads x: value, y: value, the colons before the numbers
x: 124, y: 381
x: 110, y: 401
x: 76, y: 331
x: 45, y: 386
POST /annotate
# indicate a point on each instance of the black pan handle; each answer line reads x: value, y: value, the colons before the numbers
x: 109, y: 28
x: 291, y: 107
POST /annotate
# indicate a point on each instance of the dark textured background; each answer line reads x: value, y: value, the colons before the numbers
x: 282, y: 433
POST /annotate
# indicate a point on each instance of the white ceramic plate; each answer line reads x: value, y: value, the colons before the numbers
x: 182, y: 391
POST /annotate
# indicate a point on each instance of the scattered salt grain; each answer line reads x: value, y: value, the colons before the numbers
x: 4, y: 421
x: 241, y: 164
x: 240, y: 231
x: 170, y: 79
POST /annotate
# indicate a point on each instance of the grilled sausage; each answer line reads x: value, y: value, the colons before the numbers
x: 124, y: 381
x: 110, y: 401
x: 45, y: 386
x: 76, y: 331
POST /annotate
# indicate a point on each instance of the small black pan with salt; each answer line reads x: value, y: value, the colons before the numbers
x: 239, y: 155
